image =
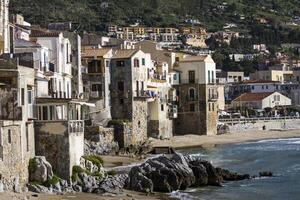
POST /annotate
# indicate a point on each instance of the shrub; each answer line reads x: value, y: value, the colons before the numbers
x: 32, y: 166
x: 53, y: 181
x: 96, y: 160
x: 112, y: 173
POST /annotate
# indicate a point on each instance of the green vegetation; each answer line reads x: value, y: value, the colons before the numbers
x: 94, y: 15
x: 53, y: 181
x: 112, y: 173
x: 32, y: 165
x: 96, y: 160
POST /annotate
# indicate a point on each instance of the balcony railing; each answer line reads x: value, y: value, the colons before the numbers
x: 142, y: 94
x: 76, y: 126
x: 189, y: 81
x: 96, y: 94
x: 213, y: 97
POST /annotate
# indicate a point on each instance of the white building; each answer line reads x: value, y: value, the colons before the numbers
x: 261, y: 100
x: 60, y: 62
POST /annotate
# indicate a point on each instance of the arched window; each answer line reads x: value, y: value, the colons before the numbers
x: 192, y: 93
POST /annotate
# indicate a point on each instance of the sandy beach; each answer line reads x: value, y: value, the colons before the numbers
x: 189, y: 141
x: 127, y: 195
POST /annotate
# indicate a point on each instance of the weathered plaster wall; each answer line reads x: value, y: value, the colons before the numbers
x: 60, y: 148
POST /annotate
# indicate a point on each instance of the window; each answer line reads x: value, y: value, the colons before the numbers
x: 94, y: 66
x: 192, y: 93
x: 29, y: 94
x: 209, y: 107
x: 136, y: 62
x: 252, y: 87
x: 143, y: 62
x: 191, y: 76
x: 162, y: 107
x: 267, y: 87
x: 9, y: 136
x: 212, y: 76
x: 192, y: 108
x: 175, y: 77
x: 27, y: 137
x: 209, y: 78
x: 263, y: 87
x: 213, y: 107
x: 22, y: 96
x: 45, y: 113
x: 121, y: 86
x: 121, y: 101
x: 120, y: 63
x: 107, y: 63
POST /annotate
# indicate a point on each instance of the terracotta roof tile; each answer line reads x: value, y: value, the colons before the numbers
x: 193, y: 59
x: 253, y: 96
x: 43, y: 33
x: 124, y: 53
x: 91, y: 52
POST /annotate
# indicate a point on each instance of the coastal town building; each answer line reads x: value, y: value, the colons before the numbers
x: 261, y: 100
x: 97, y: 81
x: 197, y: 96
x: 129, y: 93
x: 17, y: 90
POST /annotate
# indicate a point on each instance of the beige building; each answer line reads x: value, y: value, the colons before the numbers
x: 197, y: 96
x: 273, y: 75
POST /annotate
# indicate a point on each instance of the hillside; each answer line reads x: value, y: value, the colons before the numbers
x: 93, y: 15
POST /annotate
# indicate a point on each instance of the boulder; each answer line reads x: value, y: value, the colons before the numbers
x: 265, y: 174
x: 201, y: 176
x: 161, y: 174
x: 40, y: 170
x: 113, y: 184
x: 229, y: 176
x: 39, y: 189
x: 87, y: 183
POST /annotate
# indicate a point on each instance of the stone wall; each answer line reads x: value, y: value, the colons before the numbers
x: 16, y: 149
x: 203, y: 119
x: 61, y: 149
x: 123, y: 134
x: 139, y: 121
x: 261, y: 125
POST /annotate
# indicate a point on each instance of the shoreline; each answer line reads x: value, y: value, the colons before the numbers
x: 203, y: 141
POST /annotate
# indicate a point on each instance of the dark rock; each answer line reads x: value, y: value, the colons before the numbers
x: 214, y: 179
x: 266, y: 174
x: 87, y: 183
x: 229, y: 176
x: 40, y: 170
x: 39, y: 189
x: 113, y: 184
x: 200, y: 173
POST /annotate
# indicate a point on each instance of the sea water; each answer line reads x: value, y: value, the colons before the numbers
x: 281, y: 156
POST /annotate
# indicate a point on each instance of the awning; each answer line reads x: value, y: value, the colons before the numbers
x: 151, y: 88
x: 84, y: 103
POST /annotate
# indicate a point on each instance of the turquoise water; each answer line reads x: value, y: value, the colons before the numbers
x: 281, y: 156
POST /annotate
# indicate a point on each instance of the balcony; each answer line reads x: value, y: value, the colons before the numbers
x: 189, y: 81
x: 213, y: 97
x: 96, y: 94
x: 76, y: 126
x: 67, y: 70
x: 142, y: 94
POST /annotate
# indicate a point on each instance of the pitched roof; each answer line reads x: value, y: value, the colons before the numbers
x: 194, y: 59
x: 19, y: 43
x: 91, y: 52
x: 253, y: 96
x: 124, y: 53
x: 260, y: 81
x: 43, y: 33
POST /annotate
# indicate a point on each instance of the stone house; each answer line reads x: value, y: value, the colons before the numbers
x: 129, y: 92
x: 197, y: 96
x: 161, y: 107
x: 97, y: 81
x: 16, y: 123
